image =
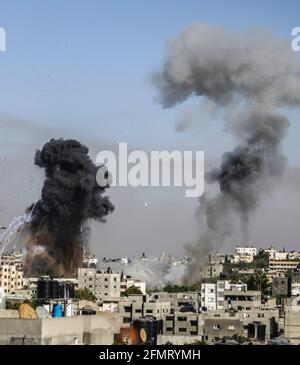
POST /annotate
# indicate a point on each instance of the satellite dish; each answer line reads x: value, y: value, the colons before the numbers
x: 42, y: 312
x: 27, y: 312
x: 143, y: 335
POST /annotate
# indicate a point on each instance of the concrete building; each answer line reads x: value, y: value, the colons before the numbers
x: 281, y: 287
x: 211, y: 270
x: 127, y: 282
x: 136, y: 306
x: 105, y: 285
x: 213, y: 295
x: 11, y: 277
x: 292, y: 320
x: 179, y: 301
x: 91, y: 330
x: 295, y: 283
x: 237, y: 299
x: 214, y: 325
x: 209, y: 296
x: 282, y: 266
x: 246, y: 250
x: 215, y: 329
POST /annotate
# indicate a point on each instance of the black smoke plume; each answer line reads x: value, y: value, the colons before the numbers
x: 55, y: 234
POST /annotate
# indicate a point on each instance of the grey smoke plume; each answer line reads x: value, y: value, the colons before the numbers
x: 251, y: 76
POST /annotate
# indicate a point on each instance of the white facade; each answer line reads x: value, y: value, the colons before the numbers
x: 212, y: 295
x: 128, y: 282
x: 242, y: 258
x: 246, y: 250
x: 277, y: 255
x: 209, y: 296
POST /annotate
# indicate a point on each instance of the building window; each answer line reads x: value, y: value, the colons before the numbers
x: 149, y: 311
x: 182, y: 329
x: 231, y: 327
x: 216, y: 327
x: 169, y: 329
x: 181, y: 318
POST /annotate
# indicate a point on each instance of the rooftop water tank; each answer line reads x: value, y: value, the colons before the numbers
x: 57, y: 311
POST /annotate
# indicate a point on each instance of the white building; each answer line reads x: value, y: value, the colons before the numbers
x: 242, y: 258
x: 277, y: 254
x: 212, y: 295
x: 246, y: 250
x: 209, y: 296
x: 127, y: 282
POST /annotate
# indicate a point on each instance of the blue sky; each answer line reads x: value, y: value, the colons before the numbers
x: 81, y: 69
x: 84, y: 66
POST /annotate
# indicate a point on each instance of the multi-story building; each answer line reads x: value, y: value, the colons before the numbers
x: 246, y: 250
x: 105, y: 285
x: 136, y: 306
x: 11, y: 277
x: 214, y: 325
x: 127, y: 282
x: 235, y: 259
x: 209, y: 296
x: 179, y: 301
x: 292, y: 320
x: 211, y: 270
x: 281, y: 266
x: 213, y: 295
x: 295, y: 283
x: 281, y: 287
x: 242, y: 299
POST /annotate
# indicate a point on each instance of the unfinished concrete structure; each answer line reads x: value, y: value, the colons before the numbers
x: 90, y: 330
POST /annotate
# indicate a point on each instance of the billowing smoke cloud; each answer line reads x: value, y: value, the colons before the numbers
x: 56, y: 231
x: 250, y: 76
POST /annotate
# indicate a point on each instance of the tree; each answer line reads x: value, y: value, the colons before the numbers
x: 169, y: 288
x: 259, y: 281
x: 261, y: 260
x: 85, y: 294
x: 132, y: 290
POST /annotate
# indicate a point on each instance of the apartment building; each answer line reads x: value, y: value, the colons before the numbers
x: 127, y: 281
x: 136, y: 306
x: 242, y: 299
x: 292, y: 320
x: 179, y: 301
x: 11, y: 277
x: 209, y: 296
x: 277, y: 254
x: 105, y: 285
x: 281, y: 266
x: 214, y: 325
x: 213, y: 295
x: 246, y: 250
x: 211, y: 270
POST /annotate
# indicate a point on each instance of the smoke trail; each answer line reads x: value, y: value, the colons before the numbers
x: 55, y: 234
x: 251, y: 76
